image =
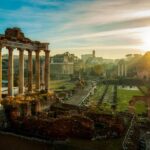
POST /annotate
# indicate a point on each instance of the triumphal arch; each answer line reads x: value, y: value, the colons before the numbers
x: 14, y: 38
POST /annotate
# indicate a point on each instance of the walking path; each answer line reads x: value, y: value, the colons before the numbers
x: 127, y: 136
x: 77, y: 98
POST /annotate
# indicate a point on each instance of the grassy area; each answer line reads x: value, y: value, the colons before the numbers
x: 124, y: 96
x: 94, y: 98
x: 61, y: 84
x: 106, y: 105
x: 140, y: 107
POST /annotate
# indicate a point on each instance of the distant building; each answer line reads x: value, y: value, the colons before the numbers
x: 108, y: 61
x: 143, y: 74
x: 62, y: 65
x: 85, y: 57
x: 91, y: 59
x: 78, y: 66
x: 94, y: 61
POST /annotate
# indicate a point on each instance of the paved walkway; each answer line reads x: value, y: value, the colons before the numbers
x: 127, y: 136
x: 79, y: 96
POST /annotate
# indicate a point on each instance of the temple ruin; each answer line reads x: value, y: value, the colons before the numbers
x: 14, y: 38
x: 122, y: 68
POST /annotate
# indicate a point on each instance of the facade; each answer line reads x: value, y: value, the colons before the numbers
x: 79, y: 66
x: 62, y: 65
x: 15, y: 38
x: 91, y: 59
x: 86, y: 57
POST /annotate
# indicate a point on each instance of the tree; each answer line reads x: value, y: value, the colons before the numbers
x: 98, y: 70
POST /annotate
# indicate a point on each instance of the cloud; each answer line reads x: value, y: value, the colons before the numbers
x: 43, y: 2
x: 102, y: 12
x: 80, y: 23
x: 104, y: 34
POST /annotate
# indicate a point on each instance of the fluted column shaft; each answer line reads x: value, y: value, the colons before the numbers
x: 37, y: 53
x: 0, y: 72
x: 10, y: 72
x: 21, y: 71
x: 30, y: 71
x: 47, y: 73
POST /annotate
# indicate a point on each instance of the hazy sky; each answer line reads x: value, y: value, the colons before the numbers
x: 112, y: 27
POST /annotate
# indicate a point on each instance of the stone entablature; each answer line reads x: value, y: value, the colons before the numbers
x: 15, y: 38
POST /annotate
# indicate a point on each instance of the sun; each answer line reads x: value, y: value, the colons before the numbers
x: 145, y: 38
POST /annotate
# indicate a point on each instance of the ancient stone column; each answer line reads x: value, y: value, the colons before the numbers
x: 47, y: 73
x: 42, y: 74
x: 30, y: 71
x: 37, y: 53
x: 21, y: 71
x: 0, y: 72
x: 10, y: 72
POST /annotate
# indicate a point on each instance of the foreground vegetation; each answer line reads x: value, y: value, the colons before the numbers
x: 124, y: 96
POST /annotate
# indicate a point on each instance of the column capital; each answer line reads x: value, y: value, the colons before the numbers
x: 47, y: 51
x: 37, y: 51
x: 20, y: 49
x: 29, y: 51
x: 10, y: 48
